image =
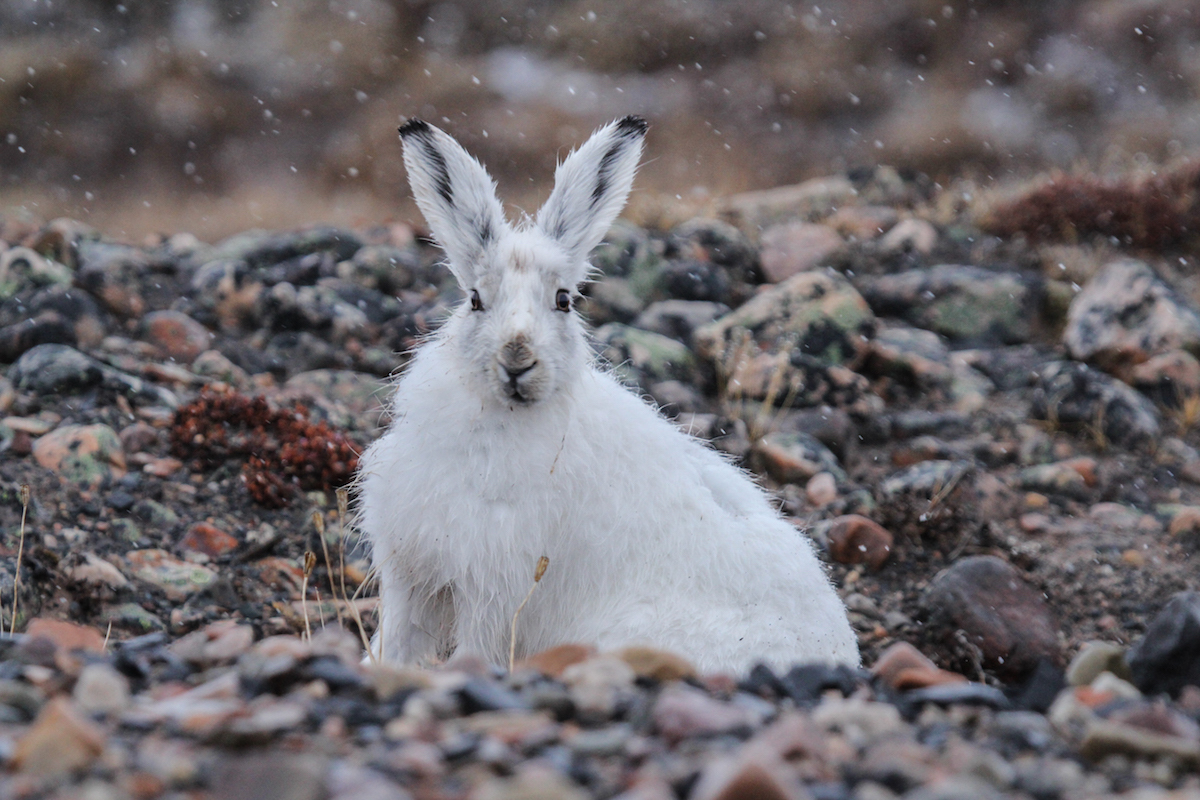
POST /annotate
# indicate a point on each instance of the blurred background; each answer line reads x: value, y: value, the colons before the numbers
x: 212, y: 116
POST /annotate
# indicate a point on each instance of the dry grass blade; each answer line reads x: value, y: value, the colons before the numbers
x: 343, y: 506
x: 538, y: 572
x: 318, y: 518
x: 12, y: 628
x: 310, y: 561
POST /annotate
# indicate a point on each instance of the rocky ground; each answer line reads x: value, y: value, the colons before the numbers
x: 983, y: 408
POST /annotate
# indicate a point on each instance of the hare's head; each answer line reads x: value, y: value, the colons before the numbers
x: 517, y: 330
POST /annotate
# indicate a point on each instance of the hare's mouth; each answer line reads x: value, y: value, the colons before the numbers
x: 516, y: 384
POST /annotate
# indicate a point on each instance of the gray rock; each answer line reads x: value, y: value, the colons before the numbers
x: 644, y: 357
x: 112, y: 273
x: 968, y: 305
x: 679, y: 319
x: 796, y: 246
x: 912, y: 356
x: 1125, y: 315
x: 1000, y: 614
x: 262, y: 248
x: 1167, y: 657
x: 610, y: 299
x: 926, y: 479
x: 55, y: 369
x: 718, y: 242
x: 1085, y: 400
x: 794, y: 457
x: 22, y: 268
x: 1094, y: 658
x: 626, y: 250
x: 381, y: 267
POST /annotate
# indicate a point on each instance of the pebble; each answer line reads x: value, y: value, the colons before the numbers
x: 177, y: 579
x: 177, y: 335
x: 1094, y: 658
x: 854, y: 539
x: 100, y: 689
x: 89, y: 455
x: 1167, y: 657
x: 215, y: 365
x: 642, y: 357
x: 1125, y: 315
x: 1085, y: 400
x: 790, y: 457
x: 657, y: 665
x: 207, y: 539
x: 821, y: 489
x: 66, y: 635
x: 682, y: 712
x: 60, y: 741
x: 794, y: 247
x: 679, y: 319
x: 55, y: 369
x: 553, y: 661
x: 95, y: 571
x: 902, y: 667
x: 999, y: 613
x: 910, y: 236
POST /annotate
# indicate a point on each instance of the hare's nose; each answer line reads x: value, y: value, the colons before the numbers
x: 516, y: 372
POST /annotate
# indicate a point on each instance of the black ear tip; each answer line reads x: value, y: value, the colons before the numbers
x: 414, y: 126
x: 633, y: 124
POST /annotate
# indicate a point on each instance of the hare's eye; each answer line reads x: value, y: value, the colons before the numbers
x: 476, y: 303
x: 562, y: 300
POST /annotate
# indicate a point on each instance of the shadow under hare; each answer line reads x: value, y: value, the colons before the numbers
x: 509, y: 442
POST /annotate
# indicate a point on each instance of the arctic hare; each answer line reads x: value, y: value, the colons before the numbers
x: 509, y: 443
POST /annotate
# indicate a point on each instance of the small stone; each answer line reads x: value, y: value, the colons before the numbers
x: 100, y: 689
x: 657, y: 665
x: 553, y: 661
x: 1094, y: 658
x: 1066, y: 478
x: 207, y: 539
x: 904, y: 667
x: 59, y: 741
x: 863, y: 223
x: 682, y: 712
x: 178, y: 579
x: 95, y: 571
x: 269, y: 775
x: 821, y: 489
x: 1082, y: 399
x: 747, y: 780
x: 597, y: 683
x: 1143, y: 730
x: 138, y: 437
x: 1167, y: 657
x: 679, y: 319
x: 179, y: 336
x: 132, y: 617
x: 55, y: 369
x: 213, y: 364
x: 644, y: 357
x: 533, y: 781
x: 228, y: 644
x: 1127, y: 314
x: 66, y: 635
x: 1170, y: 378
x: 89, y: 455
x: 854, y: 714
x: 794, y: 457
x: 999, y: 613
x: 758, y: 210
x: 1185, y: 519
x: 854, y: 539
x: 794, y: 247
x: 910, y: 236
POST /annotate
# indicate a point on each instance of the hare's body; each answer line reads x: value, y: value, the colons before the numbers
x: 508, y: 444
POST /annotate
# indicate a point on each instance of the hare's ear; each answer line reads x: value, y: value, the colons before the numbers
x: 590, y: 188
x: 456, y: 195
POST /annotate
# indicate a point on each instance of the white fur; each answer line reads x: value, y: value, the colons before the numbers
x: 652, y: 537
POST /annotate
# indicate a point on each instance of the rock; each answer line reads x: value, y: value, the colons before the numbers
x: 719, y: 242
x: 794, y: 457
x: 66, y: 635
x: 998, y: 612
x: 112, y: 273
x: 910, y: 236
x: 815, y: 314
x: 60, y: 741
x: 926, y: 479
x: 179, y: 336
x: 1072, y: 478
x: 554, y: 661
x: 749, y: 780
x: 1171, y: 378
x: 280, y: 776
x: 656, y: 665
x: 755, y: 211
x: 1094, y: 658
x: 88, y: 455
x: 1167, y: 657
x: 1126, y: 314
x: 100, y: 689
x: 1143, y: 730
x: 347, y: 781
x: 679, y: 319
x: 854, y: 539
x: 611, y: 299
x: 22, y: 268
x: 384, y: 268
x: 821, y: 489
x: 857, y: 716
x: 48, y: 327
x: 968, y: 305
x: 643, y: 357
x: 626, y: 250
x: 207, y: 539
x: 132, y: 617
x: 94, y: 571
x: 263, y: 248
x: 682, y: 712
x: 55, y: 369
x: 597, y: 683
x: 913, y: 356
x: 904, y: 667
x: 178, y: 579
x: 863, y: 223
x: 213, y: 364
x: 794, y: 247
x: 1082, y: 399
x: 533, y: 781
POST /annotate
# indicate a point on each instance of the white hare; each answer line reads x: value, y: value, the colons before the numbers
x: 508, y: 443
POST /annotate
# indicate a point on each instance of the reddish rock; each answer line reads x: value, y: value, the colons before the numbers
x: 659, y: 665
x: 903, y: 666
x: 682, y: 712
x: 821, y: 489
x: 552, y: 662
x: 85, y: 454
x: 176, y: 334
x: 138, y: 437
x: 863, y: 222
x: 66, y: 635
x: 989, y: 601
x: 796, y: 247
x: 206, y: 538
x: 60, y: 741
x: 854, y: 539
